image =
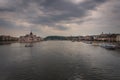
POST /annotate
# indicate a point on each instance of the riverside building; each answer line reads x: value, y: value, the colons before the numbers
x: 29, y: 38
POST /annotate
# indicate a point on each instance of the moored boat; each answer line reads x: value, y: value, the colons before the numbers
x: 108, y: 46
x: 29, y: 45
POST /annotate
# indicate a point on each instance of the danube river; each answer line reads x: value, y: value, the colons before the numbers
x: 58, y: 60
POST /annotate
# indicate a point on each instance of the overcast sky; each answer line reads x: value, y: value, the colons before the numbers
x: 59, y: 17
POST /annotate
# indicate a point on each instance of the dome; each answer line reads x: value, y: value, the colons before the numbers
x: 31, y: 33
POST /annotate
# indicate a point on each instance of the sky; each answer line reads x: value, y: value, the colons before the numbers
x: 59, y: 17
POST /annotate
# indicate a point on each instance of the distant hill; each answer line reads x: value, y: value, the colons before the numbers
x: 55, y: 38
x: 61, y: 37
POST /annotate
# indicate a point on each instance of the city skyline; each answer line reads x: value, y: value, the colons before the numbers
x: 59, y: 17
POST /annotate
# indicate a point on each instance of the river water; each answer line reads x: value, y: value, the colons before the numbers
x: 58, y: 60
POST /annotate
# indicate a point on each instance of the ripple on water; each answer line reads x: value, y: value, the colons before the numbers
x: 58, y: 60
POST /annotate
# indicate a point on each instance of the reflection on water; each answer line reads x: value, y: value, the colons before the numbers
x: 5, y: 43
x: 58, y: 60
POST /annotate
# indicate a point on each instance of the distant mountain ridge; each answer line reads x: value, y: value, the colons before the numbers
x: 61, y: 37
x: 55, y: 38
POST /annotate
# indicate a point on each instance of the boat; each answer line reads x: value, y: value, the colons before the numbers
x: 29, y: 45
x: 88, y: 42
x: 108, y: 46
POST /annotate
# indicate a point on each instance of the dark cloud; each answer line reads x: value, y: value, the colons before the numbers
x: 6, y: 24
x: 7, y: 9
x: 60, y: 27
x: 66, y: 8
x: 91, y: 4
x: 63, y: 10
x: 50, y: 12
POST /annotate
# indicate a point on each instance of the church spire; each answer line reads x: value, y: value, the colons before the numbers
x: 31, y: 33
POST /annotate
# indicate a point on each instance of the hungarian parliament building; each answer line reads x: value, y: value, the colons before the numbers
x: 29, y: 38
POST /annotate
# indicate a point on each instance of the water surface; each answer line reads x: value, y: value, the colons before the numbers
x: 58, y: 60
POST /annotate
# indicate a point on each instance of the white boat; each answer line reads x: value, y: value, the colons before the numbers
x: 108, y: 46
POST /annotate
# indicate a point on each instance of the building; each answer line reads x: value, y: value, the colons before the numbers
x: 107, y: 37
x: 118, y: 38
x: 88, y: 38
x: 95, y: 37
x: 29, y: 38
x: 8, y: 38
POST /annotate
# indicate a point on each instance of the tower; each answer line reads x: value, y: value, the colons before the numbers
x: 31, y: 33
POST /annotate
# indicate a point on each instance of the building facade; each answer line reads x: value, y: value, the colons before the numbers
x: 29, y: 38
x: 118, y: 38
x: 107, y: 37
x: 88, y: 38
x: 8, y: 38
